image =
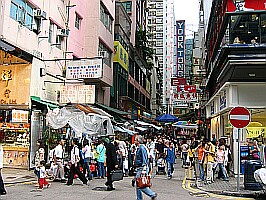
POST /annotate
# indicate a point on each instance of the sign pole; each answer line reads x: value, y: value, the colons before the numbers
x: 238, y: 161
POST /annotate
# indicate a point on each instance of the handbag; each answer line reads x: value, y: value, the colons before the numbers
x: 117, y: 175
x: 143, y: 181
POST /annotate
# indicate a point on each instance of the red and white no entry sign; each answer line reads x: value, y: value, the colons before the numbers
x: 239, y: 117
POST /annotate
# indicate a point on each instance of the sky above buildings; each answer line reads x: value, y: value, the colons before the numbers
x: 188, y: 10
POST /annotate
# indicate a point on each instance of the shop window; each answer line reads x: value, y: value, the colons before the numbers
x: 22, y: 12
x: 245, y: 29
x: 263, y: 28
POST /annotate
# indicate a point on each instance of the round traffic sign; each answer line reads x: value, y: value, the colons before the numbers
x: 239, y: 117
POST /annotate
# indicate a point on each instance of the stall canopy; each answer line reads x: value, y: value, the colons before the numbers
x: 185, y: 125
x: 166, y: 118
x: 90, y: 122
x: 124, y: 130
x: 148, y: 124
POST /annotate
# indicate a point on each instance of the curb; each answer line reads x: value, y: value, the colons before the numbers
x: 234, y: 194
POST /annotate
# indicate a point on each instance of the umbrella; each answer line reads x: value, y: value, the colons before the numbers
x: 166, y: 118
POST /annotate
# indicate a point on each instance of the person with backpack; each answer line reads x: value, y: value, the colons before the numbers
x: 101, y: 159
x: 170, y: 159
x: 75, y: 166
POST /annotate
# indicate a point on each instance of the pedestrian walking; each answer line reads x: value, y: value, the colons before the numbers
x: 2, y: 186
x: 209, y: 160
x: 220, y: 159
x: 141, y: 164
x: 75, y: 166
x: 101, y: 159
x: 111, y: 161
x: 200, y: 149
x: 184, y: 149
x: 58, y: 160
x: 170, y: 159
x: 42, y: 176
x: 87, y: 158
x: 38, y: 157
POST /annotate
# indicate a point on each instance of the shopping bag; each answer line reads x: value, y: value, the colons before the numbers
x: 117, y: 175
x: 143, y: 181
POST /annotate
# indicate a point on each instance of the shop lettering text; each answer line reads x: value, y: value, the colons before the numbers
x: 8, y: 101
x: 6, y: 76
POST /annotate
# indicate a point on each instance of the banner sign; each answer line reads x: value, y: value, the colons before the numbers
x: 186, y: 88
x: 178, y: 81
x: 20, y: 116
x: 91, y: 68
x: 185, y: 96
x: 246, y: 5
x: 77, y: 94
x: 180, y: 34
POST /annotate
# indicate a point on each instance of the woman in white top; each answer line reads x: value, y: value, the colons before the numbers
x: 87, y: 158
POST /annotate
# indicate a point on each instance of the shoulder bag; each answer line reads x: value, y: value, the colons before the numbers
x: 144, y: 181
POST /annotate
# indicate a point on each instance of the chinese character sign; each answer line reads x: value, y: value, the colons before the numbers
x: 77, y: 94
x: 185, y: 96
x: 20, y: 116
x: 6, y: 76
x: 92, y: 68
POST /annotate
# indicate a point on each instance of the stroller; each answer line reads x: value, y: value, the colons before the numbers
x: 160, y: 166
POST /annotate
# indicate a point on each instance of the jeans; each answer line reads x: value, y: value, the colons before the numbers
x: 101, y: 170
x: 170, y: 169
x: 87, y: 168
x: 184, y: 157
x: 221, y: 167
x: 201, y: 169
x: 146, y: 190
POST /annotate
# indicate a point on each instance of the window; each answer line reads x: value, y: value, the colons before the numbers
x: 128, y: 6
x: 106, y: 18
x: 78, y: 21
x: 50, y: 36
x: 22, y: 11
x: 107, y: 60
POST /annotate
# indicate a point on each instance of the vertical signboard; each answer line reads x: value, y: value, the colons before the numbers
x: 180, y: 34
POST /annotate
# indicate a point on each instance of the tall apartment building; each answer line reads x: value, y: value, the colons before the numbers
x: 161, y: 26
x: 49, y: 50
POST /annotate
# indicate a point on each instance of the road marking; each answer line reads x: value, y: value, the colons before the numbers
x: 186, y: 185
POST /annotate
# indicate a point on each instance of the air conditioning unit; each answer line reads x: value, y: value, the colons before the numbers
x: 38, y: 13
x: 103, y: 54
x: 62, y: 32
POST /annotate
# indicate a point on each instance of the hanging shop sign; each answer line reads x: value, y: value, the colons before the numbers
x: 223, y: 101
x: 20, y: 116
x: 178, y: 81
x: 186, y: 88
x: 185, y: 96
x: 255, y: 132
x: 180, y: 34
x: 91, y: 68
x: 77, y: 94
x: 120, y: 55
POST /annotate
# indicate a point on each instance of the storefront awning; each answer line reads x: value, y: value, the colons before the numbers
x: 114, y: 110
x: 37, y: 99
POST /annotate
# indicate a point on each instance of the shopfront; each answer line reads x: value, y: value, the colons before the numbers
x: 249, y: 95
x: 14, y: 109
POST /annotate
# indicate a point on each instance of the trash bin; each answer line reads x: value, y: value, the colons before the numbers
x: 249, y: 181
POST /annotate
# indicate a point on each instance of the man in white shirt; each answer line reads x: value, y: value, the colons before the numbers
x: 58, y: 160
x: 151, y: 152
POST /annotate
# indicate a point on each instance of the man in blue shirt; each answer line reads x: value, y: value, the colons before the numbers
x: 141, y: 164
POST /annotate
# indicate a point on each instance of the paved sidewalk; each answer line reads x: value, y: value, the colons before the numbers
x: 14, y: 176
x: 226, y: 188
